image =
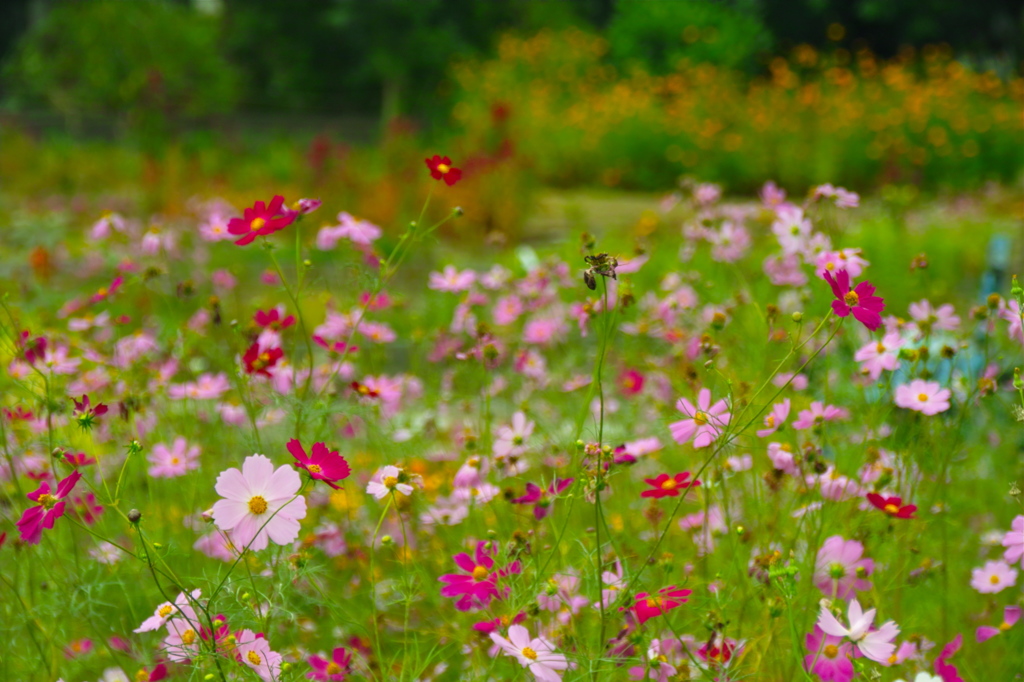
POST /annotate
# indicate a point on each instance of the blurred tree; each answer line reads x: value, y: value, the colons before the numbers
x: 140, y: 62
x: 657, y: 35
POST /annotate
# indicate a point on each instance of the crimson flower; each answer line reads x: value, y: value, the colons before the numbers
x: 259, y: 361
x: 273, y: 319
x: 540, y: 498
x: 893, y: 506
x: 79, y: 460
x: 489, y: 626
x: 49, y: 509
x: 364, y: 390
x: 647, y: 606
x: 479, y: 584
x: 86, y: 413
x: 159, y: 672
x: 334, y: 670
x: 339, y: 347
x: 261, y: 220
x: 31, y: 349
x: 105, y: 292
x: 668, y: 486
x: 441, y: 169
x: 860, y: 300
x: 323, y: 464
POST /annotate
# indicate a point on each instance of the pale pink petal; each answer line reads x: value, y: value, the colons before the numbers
x: 227, y: 514
x: 258, y: 470
x: 232, y: 485
x: 519, y: 636
x: 829, y: 625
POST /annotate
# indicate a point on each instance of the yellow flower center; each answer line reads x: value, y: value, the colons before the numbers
x: 851, y: 298
x: 994, y: 579
x: 892, y: 659
x: 923, y: 397
x: 891, y: 509
x: 188, y: 637
x: 831, y: 651
x: 165, y: 610
x: 254, y: 658
x: 174, y: 460
x: 314, y: 468
x: 443, y: 168
x: 880, y: 348
x: 257, y: 223
x: 390, y: 481
x: 257, y: 505
x: 47, y: 501
x: 769, y: 421
x: 480, y: 573
x: 670, y: 484
x: 1004, y: 626
x: 701, y: 418
x: 654, y: 602
x: 529, y: 653
x: 786, y: 447
x: 333, y: 668
x: 142, y: 676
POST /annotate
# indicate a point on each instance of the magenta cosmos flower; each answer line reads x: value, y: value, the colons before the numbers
x: 668, y: 486
x: 254, y: 651
x: 829, y: 658
x: 705, y: 421
x: 50, y: 508
x: 861, y: 301
x: 260, y: 503
x: 648, y: 606
x: 261, y: 219
x: 840, y: 567
x: 334, y: 670
x: 323, y: 464
x: 1011, y: 614
x: 537, y: 654
x: 776, y: 419
x: 479, y: 584
x: 177, y: 460
x: 893, y: 506
x: 541, y: 499
x: 926, y: 397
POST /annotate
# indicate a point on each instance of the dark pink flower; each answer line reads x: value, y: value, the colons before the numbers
x: 493, y: 625
x: 893, y: 506
x: 50, y: 508
x: 668, y: 486
x: 1011, y: 614
x: 323, y: 464
x: 479, y: 584
x: 86, y: 414
x: 647, y: 606
x: 830, y: 657
x: 273, y: 319
x: 261, y: 220
x: 861, y: 301
x: 540, y: 498
x: 946, y: 670
x: 334, y: 670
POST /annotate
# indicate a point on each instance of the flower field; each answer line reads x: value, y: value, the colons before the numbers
x: 733, y: 439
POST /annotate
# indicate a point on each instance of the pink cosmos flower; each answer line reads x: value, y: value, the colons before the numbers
x: 776, y: 419
x: 323, y: 465
x: 1011, y: 614
x: 994, y: 576
x: 841, y: 568
x: 880, y: 355
x: 785, y: 271
x: 78, y: 647
x: 843, y: 198
x: 847, y: 259
x: 254, y: 651
x: 874, y: 644
x: 479, y: 584
x: 946, y: 670
x: 729, y: 242
x: 658, y: 669
x: 781, y: 455
x: 818, y: 414
x: 1013, y: 541
x: 1012, y: 314
x: 183, y: 639
x: 648, y: 606
x: 261, y: 219
x: 334, y: 670
x: 544, y: 331
x: 389, y: 479
x: 705, y: 421
x: 181, y: 608
x: 537, y: 654
x: 926, y: 397
x: 861, y: 301
x: 928, y: 318
x: 451, y: 280
x: 50, y: 508
x: 509, y: 440
x: 542, y: 499
x: 260, y: 503
x: 177, y: 460
x: 830, y: 656
x: 791, y: 228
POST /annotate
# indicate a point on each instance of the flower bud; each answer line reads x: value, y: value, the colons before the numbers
x: 798, y: 317
x: 134, y: 516
x: 387, y: 541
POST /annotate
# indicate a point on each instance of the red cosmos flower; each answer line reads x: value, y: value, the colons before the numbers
x: 631, y: 382
x: 893, y: 506
x: 79, y: 460
x: 261, y: 220
x: 668, y: 486
x: 334, y: 670
x: 259, y: 361
x: 18, y: 412
x: 540, y: 498
x: 105, y: 292
x: 860, y: 300
x: 50, y: 508
x: 159, y: 672
x: 489, y: 626
x: 441, y: 168
x: 86, y: 414
x: 323, y: 465
x: 647, y: 606
x: 273, y: 319
x: 364, y: 390
x: 31, y: 349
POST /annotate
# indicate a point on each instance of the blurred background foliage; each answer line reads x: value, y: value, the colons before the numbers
x: 345, y: 95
